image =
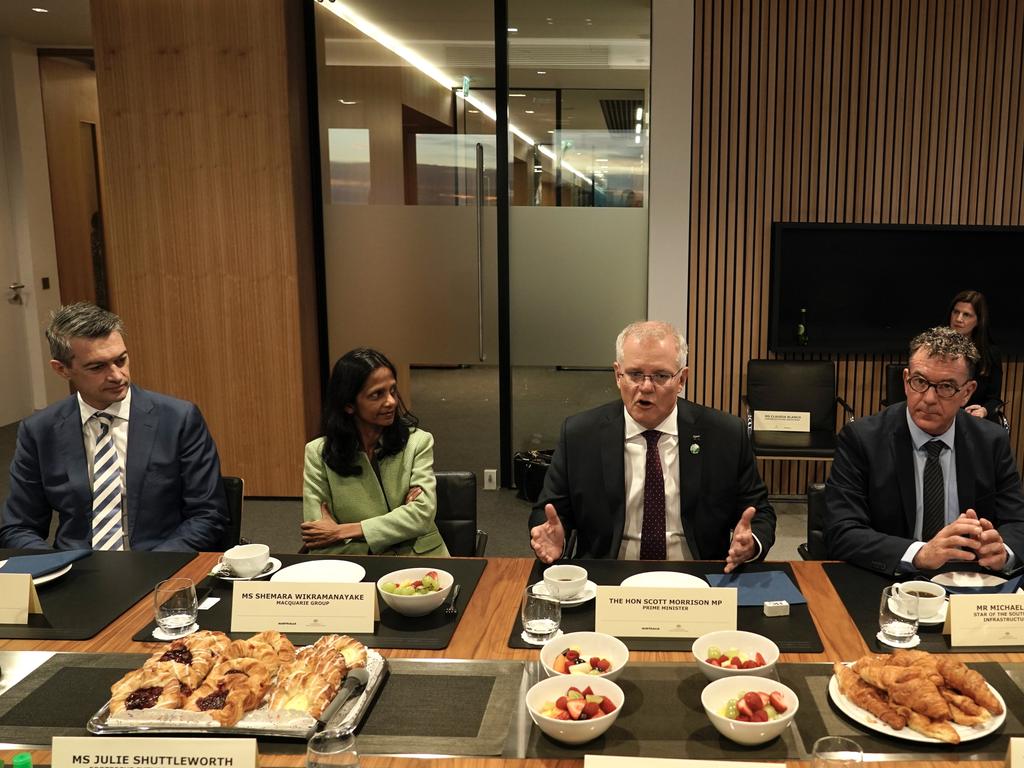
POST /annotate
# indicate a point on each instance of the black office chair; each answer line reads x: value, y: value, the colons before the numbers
x: 233, y: 489
x: 794, y: 385
x: 814, y: 547
x: 456, y: 514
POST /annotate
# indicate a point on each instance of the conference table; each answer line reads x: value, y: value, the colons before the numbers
x: 487, y: 625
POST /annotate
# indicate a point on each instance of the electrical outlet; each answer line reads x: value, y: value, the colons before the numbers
x: 490, y: 479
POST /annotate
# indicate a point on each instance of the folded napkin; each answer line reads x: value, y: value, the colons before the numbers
x: 758, y: 588
x: 1006, y: 588
x: 40, y: 565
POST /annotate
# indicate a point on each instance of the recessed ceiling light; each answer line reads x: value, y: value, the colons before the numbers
x: 347, y: 103
x: 40, y: 10
x: 513, y: 29
x: 542, y: 72
x: 474, y: 111
x: 517, y: 95
x: 550, y: 131
x: 529, y: 111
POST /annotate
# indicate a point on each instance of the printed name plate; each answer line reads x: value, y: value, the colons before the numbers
x: 303, y: 607
x: 609, y: 761
x: 986, y: 619
x: 663, y: 611
x: 782, y: 421
x: 18, y: 598
x: 147, y: 752
x: 1015, y: 753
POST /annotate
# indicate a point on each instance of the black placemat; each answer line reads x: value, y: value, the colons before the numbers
x: 96, y: 590
x: 818, y: 716
x: 431, y: 632
x: 793, y: 634
x: 861, y: 591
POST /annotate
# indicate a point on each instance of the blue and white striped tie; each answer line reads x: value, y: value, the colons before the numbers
x: 106, y: 489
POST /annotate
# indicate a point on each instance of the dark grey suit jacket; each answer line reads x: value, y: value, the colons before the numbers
x: 587, y: 482
x: 175, y: 499
x: 872, y: 493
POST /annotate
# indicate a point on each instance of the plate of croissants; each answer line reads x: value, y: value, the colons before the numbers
x: 917, y: 696
x: 209, y: 683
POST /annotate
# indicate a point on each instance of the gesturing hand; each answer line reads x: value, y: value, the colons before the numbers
x: 743, y: 546
x: 548, y: 538
x: 960, y: 540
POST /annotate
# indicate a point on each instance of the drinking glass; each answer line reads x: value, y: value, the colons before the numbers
x: 897, y: 617
x: 541, y: 615
x: 836, y: 752
x: 332, y: 749
x: 175, y: 606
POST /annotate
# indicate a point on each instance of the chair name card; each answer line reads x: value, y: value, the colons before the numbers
x: 1015, y: 753
x: 148, y: 752
x: 986, y: 620
x: 782, y: 421
x: 663, y: 611
x: 303, y: 607
x: 609, y: 761
x: 18, y: 598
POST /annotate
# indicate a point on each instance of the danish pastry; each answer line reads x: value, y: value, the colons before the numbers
x: 233, y: 687
x: 146, y: 689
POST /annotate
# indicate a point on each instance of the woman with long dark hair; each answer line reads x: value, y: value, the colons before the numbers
x: 968, y: 315
x: 368, y: 483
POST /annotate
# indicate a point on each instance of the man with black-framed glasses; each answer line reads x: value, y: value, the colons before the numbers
x: 938, y: 485
x: 653, y: 476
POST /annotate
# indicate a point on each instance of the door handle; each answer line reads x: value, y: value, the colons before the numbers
x: 15, y: 296
x: 480, y: 250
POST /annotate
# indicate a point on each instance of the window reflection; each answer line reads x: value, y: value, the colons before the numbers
x: 349, y: 158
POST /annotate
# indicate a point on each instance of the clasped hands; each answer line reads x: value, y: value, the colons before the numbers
x: 967, y: 538
x: 548, y: 539
x: 317, y: 534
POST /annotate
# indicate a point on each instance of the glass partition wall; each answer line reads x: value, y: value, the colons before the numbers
x: 408, y: 140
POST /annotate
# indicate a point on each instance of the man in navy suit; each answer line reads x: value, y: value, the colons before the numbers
x: 122, y: 467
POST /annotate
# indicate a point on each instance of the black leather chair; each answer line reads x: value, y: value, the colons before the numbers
x: 794, y: 385
x: 814, y: 547
x: 456, y: 514
x: 233, y: 489
x: 894, y: 392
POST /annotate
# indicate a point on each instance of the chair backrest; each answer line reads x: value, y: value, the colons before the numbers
x: 894, y: 391
x: 794, y: 385
x: 456, y: 511
x: 233, y: 489
x: 816, y: 521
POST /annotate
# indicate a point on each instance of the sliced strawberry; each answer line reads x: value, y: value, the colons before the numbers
x: 764, y: 697
x: 775, y: 697
x: 750, y: 664
x: 588, y: 691
x: 760, y: 716
x: 735, y: 661
x: 760, y: 659
x: 753, y: 701
x: 604, y: 665
x: 573, y: 689
x: 576, y: 707
x: 723, y: 658
x: 562, y: 715
x: 716, y: 662
x: 608, y: 706
x: 743, y: 718
x: 591, y: 708
x: 744, y: 708
x: 562, y: 702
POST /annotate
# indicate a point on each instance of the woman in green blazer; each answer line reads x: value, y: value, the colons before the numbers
x: 368, y: 483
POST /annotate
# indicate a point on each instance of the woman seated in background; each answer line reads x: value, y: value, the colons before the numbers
x: 368, y: 483
x: 968, y: 315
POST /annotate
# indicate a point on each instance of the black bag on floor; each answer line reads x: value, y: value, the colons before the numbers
x: 528, y: 471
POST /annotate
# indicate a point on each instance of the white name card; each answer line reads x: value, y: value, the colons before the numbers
x: 986, y: 619
x: 303, y: 607
x: 663, y: 611
x: 1015, y: 753
x: 18, y: 598
x: 145, y: 752
x: 782, y: 421
x: 608, y: 761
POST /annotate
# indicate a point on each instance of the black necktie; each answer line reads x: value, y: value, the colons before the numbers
x: 934, y: 490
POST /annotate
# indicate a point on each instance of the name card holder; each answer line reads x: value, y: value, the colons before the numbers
x: 663, y: 611
x: 1015, y: 753
x: 303, y: 607
x: 986, y: 620
x: 18, y: 598
x: 149, y: 752
x: 782, y: 421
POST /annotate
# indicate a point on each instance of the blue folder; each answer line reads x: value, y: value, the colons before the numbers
x: 758, y: 588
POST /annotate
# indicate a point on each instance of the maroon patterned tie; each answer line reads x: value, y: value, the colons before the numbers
x: 652, y: 537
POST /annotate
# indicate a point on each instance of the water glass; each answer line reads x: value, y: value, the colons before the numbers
x: 836, y: 752
x: 332, y: 749
x: 175, y: 606
x: 541, y: 615
x: 898, y: 613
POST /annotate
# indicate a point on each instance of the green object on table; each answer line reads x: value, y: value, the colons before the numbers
x: 22, y: 760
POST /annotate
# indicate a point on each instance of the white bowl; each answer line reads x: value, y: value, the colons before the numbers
x: 589, y: 644
x: 742, y: 641
x: 717, y: 693
x: 572, y: 731
x: 415, y: 605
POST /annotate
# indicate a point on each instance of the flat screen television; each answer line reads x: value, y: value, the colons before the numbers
x: 870, y: 288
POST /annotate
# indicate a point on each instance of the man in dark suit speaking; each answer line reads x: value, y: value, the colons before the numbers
x: 653, y: 477
x: 923, y: 483
x: 122, y: 467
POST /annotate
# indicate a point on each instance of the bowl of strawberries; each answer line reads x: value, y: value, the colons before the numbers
x: 749, y: 710
x: 574, y: 711
x: 586, y: 654
x: 729, y: 653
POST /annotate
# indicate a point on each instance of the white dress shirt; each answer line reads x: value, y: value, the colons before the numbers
x: 119, y: 430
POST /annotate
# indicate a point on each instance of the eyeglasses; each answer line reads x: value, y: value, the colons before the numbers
x: 944, y: 389
x: 657, y: 379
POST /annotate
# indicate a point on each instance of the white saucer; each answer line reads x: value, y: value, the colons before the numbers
x: 538, y: 643
x: 338, y: 571
x: 929, y: 621
x: 665, y: 579
x: 589, y: 592
x: 273, y: 563
x: 912, y: 643
x: 969, y: 579
x: 159, y: 634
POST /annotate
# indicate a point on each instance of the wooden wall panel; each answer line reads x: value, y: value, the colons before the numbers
x: 899, y: 111
x: 208, y: 214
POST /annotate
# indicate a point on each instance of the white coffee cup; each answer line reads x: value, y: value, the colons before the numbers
x: 930, y: 596
x: 246, y: 560
x: 565, y: 581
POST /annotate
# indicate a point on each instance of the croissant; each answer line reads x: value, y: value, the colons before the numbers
x: 866, y: 697
x: 963, y: 708
x: 907, y: 685
x: 146, y: 689
x: 957, y: 675
x: 937, y: 729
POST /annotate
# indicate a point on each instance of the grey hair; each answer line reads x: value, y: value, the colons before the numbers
x: 652, y: 329
x: 78, y: 321
x: 942, y: 341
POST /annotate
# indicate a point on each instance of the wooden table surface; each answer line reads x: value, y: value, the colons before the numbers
x: 483, y: 634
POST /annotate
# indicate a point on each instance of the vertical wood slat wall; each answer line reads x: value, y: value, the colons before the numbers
x: 863, y: 111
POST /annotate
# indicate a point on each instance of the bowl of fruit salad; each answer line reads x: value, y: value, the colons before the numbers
x: 732, y: 652
x: 749, y: 710
x: 574, y: 711
x: 415, y: 591
x: 590, y: 654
